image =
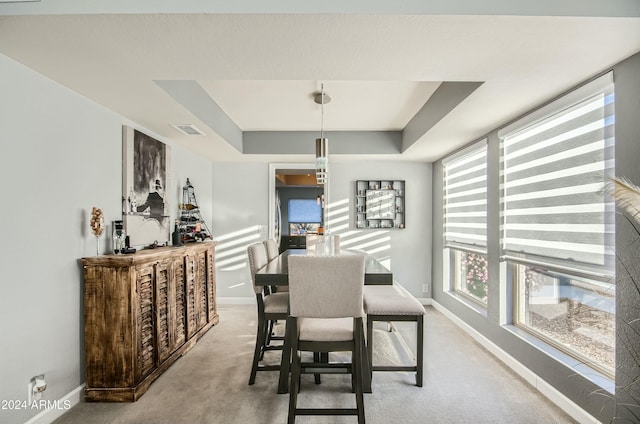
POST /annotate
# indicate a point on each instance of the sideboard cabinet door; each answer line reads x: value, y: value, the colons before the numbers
x: 212, y: 310
x: 164, y: 304
x: 179, y: 329
x: 145, y: 322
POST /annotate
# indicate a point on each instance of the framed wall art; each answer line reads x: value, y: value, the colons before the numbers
x: 145, y: 177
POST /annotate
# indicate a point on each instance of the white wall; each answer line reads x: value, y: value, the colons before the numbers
x: 60, y: 155
x: 241, y: 202
x: 409, y: 250
x: 241, y: 205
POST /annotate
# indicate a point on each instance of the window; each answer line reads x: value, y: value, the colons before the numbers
x: 574, y: 313
x: 305, y: 215
x: 465, y: 221
x: 557, y: 229
x: 470, y: 275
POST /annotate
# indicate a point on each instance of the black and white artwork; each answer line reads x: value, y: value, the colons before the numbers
x: 145, y: 178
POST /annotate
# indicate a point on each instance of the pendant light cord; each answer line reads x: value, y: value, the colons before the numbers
x: 322, y: 110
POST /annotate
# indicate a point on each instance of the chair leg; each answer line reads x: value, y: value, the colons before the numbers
x: 316, y: 358
x: 370, y: 344
x: 420, y: 350
x: 356, y: 369
x: 263, y: 335
x: 353, y: 370
x: 293, y: 389
x: 269, y: 333
x: 259, y: 351
x: 294, y: 386
x: 285, y: 360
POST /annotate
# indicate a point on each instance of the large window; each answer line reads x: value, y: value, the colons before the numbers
x: 557, y: 229
x: 465, y: 221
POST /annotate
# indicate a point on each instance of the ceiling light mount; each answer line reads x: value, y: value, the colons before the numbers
x: 319, y: 96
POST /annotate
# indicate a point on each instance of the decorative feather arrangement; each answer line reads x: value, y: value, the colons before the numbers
x: 627, y: 197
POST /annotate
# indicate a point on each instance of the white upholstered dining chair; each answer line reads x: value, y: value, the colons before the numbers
x: 272, y: 252
x: 272, y: 249
x: 326, y: 315
x: 271, y: 307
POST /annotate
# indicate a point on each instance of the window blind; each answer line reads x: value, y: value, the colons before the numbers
x: 554, y: 171
x: 465, y: 199
x: 304, y: 211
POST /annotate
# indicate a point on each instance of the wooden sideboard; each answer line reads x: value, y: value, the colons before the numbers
x: 141, y: 313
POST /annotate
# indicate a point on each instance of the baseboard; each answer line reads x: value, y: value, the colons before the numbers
x: 236, y: 300
x: 424, y: 300
x: 55, y: 409
x: 251, y: 300
x: 546, y: 389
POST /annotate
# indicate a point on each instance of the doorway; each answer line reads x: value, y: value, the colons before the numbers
x: 287, y: 182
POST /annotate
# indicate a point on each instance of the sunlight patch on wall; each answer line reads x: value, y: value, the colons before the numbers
x: 361, y: 237
x: 337, y: 229
x: 231, y: 251
x: 339, y: 204
x: 376, y: 243
x: 234, y: 234
x: 373, y: 245
x: 334, y: 211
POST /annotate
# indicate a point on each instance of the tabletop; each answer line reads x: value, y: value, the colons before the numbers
x: 276, y: 272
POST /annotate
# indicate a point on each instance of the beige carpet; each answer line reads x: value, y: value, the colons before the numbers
x: 462, y: 384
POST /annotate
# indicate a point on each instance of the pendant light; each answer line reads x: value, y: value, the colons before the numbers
x: 322, y: 144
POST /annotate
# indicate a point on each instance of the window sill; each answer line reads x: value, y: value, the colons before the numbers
x: 575, y: 365
x: 482, y: 310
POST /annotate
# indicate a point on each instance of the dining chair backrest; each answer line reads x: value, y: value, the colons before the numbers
x: 257, y: 259
x: 272, y: 249
x: 326, y: 286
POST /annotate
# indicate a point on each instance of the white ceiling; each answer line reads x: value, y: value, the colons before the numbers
x: 262, y: 69
x: 289, y: 105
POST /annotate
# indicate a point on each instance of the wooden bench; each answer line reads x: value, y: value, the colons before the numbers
x: 393, y: 303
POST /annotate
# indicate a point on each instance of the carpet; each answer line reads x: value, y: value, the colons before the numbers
x: 463, y: 384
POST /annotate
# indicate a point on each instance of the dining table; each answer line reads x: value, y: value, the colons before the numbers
x: 276, y: 273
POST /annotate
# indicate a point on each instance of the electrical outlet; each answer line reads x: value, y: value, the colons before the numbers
x: 425, y: 288
x: 30, y: 394
x: 35, y: 388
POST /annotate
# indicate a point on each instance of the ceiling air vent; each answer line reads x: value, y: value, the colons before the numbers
x: 187, y: 129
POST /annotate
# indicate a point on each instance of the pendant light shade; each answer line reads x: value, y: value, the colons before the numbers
x: 322, y: 143
x: 322, y: 159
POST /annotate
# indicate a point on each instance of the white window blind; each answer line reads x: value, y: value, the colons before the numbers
x: 465, y: 199
x: 554, y: 171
